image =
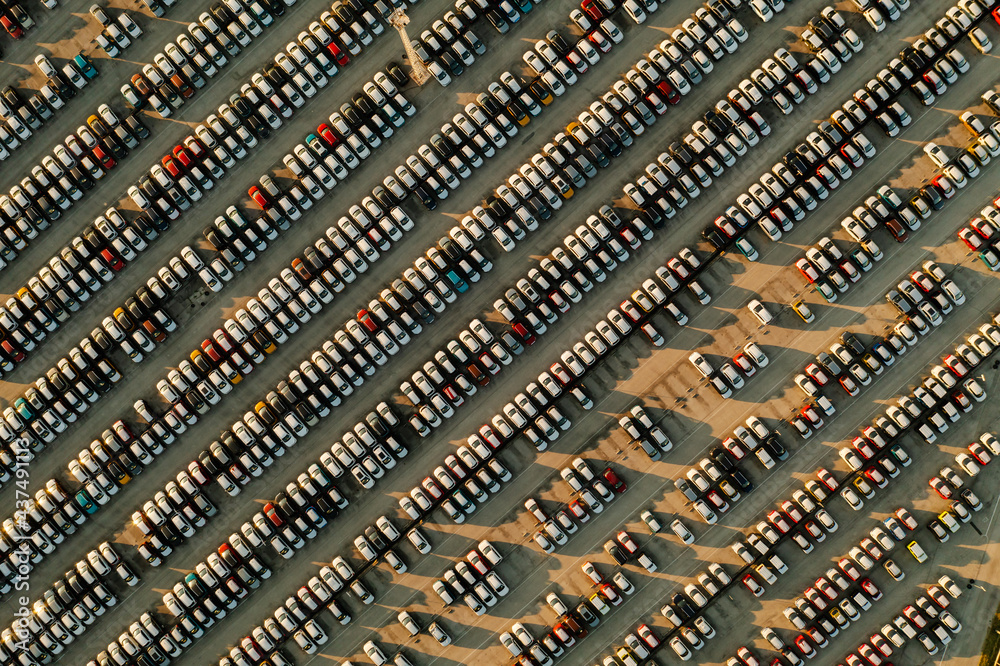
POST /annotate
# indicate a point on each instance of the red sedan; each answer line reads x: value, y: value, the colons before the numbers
x: 527, y: 337
x: 365, y: 318
x: 182, y: 156
x: 941, y: 488
x: 171, y: 166
x: 207, y: 347
x: 15, y: 354
x: 106, y: 160
x: 113, y: 260
x: 970, y: 238
x: 327, y: 135
x: 11, y: 26
x: 259, y: 197
x: 808, y: 271
x: 616, y: 483
x: 196, y: 147
x: 753, y: 585
x: 956, y: 365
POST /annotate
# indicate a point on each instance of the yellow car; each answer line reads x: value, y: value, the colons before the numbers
x: 541, y: 92
x: 803, y: 311
x: 917, y: 551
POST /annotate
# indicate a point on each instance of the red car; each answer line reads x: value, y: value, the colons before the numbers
x: 941, y: 488
x: 196, y: 147
x: 956, y: 365
x: 862, y: 446
x: 182, y: 156
x: 300, y: 269
x: 207, y: 347
x: 982, y: 227
x: 616, y: 483
x: 141, y: 85
x: 487, y: 362
x: 560, y: 373
x: 171, y: 166
x: 591, y: 8
x: 113, y: 261
x: 817, y: 374
x: 271, y: 512
x: 779, y: 521
x: 898, y: 231
x: 625, y: 539
x: 743, y: 362
x: 15, y: 354
x: 11, y: 26
x: 809, y: 413
x: 753, y: 585
x: 872, y: 589
x: 808, y: 271
x: 630, y: 311
x: 527, y: 337
x: 673, y: 97
x: 792, y: 511
x: 327, y: 135
x: 827, y: 479
x: 805, y: 646
x: 365, y: 319
x: 338, y: 54
x: 970, y: 238
x: 907, y: 519
x: 259, y: 197
x: 106, y: 160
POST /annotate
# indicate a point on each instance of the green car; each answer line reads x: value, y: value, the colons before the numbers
x: 825, y: 290
x: 747, y: 249
x: 22, y: 407
x: 85, y: 502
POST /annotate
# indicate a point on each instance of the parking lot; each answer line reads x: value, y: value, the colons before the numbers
x: 369, y: 381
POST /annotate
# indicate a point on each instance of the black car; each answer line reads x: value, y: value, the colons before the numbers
x: 852, y: 342
x: 498, y: 21
x: 684, y: 606
x: 775, y: 447
x: 396, y: 73
x: 715, y: 237
x: 901, y: 304
x: 586, y: 615
x: 737, y: 478
x: 452, y: 64
x: 681, y: 153
x: 717, y: 122
x: 426, y: 198
x: 558, y: 42
x: 796, y: 164
x: 722, y: 458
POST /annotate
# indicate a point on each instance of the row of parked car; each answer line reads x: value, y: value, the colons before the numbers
x: 114, y: 36
x: 734, y: 662
x: 732, y: 374
x: 599, y: 134
x: 982, y: 234
x: 719, y: 479
x: 15, y: 20
x: 22, y: 118
x: 913, y: 622
x: 591, y: 492
x: 69, y: 608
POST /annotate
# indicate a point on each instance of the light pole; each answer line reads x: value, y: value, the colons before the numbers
x: 420, y: 74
